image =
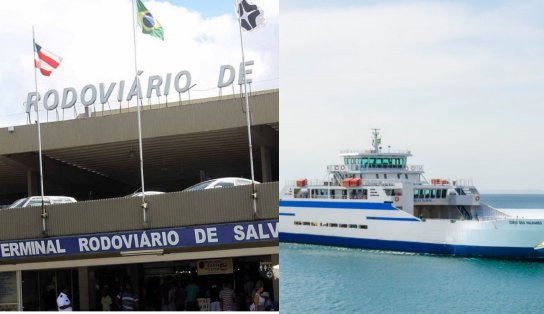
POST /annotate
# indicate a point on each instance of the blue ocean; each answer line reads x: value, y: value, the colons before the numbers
x: 321, y: 279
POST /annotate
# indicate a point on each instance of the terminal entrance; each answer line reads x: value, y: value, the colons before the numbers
x: 41, y: 288
x: 162, y: 286
x: 159, y: 286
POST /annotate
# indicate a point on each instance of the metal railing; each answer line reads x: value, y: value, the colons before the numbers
x: 356, y: 167
x: 370, y: 151
x: 175, y: 209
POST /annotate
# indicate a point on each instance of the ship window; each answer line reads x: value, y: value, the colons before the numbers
x: 416, y: 193
x: 406, y: 176
x: 377, y: 176
x: 398, y: 175
x: 333, y: 225
x: 324, y: 224
x: 426, y: 193
x: 386, y: 162
x: 364, y: 162
x: 298, y: 223
x: 371, y: 162
x: 433, y: 193
x: 315, y: 224
x: 306, y: 223
x: 378, y: 162
x: 363, y: 227
x: 444, y: 193
x: 353, y: 226
x: 343, y: 226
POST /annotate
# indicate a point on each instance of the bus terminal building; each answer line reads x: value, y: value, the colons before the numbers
x: 99, y: 244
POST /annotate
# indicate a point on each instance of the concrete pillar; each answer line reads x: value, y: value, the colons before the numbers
x: 266, y: 167
x: 83, y: 275
x: 276, y: 282
x: 33, y: 183
x: 92, y: 288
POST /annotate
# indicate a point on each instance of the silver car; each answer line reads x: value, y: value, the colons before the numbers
x: 37, y: 201
x: 219, y: 183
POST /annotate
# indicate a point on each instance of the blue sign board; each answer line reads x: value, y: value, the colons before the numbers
x: 194, y: 236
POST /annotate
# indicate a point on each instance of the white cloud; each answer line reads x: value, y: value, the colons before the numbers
x: 457, y: 83
x: 95, y: 40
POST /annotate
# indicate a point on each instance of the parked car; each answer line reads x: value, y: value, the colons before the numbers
x: 37, y: 201
x: 219, y: 183
x: 147, y: 193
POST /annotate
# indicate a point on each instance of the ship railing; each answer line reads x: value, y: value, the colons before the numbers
x: 462, y: 182
x: 332, y: 197
x: 486, y: 213
x: 370, y: 151
x: 310, y: 182
x: 490, y: 218
x: 356, y: 167
x: 378, y: 182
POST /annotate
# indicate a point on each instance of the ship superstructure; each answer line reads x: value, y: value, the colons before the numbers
x: 376, y: 200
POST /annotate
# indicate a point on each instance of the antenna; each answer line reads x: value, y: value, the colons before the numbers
x: 376, y: 140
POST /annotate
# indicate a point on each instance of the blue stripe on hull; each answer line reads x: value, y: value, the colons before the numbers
x: 416, y: 247
x: 392, y: 218
x: 343, y: 205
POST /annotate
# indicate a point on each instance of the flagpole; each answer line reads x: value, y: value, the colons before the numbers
x: 144, y: 204
x: 44, y: 213
x: 248, y: 120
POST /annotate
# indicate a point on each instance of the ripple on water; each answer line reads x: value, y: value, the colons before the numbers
x: 323, y: 279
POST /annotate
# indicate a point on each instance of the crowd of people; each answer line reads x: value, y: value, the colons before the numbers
x: 174, y: 296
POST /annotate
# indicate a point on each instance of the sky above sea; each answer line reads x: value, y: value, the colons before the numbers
x: 458, y: 83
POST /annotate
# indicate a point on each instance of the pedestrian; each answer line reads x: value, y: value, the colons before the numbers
x: 191, y: 293
x: 226, y: 296
x: 127, y: 300
x: 215, y: 303
x: 180, y: 298
x: 258, y: 299
x: 105, y: 300
x: 268, y: 303
x: 63, y: 302
x: 248, y: 290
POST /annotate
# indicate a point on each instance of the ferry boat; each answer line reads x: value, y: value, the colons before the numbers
x: 376, y: 200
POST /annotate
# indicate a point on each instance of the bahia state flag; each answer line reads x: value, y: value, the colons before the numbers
x: 45, y: 60
x: 148, y: 23
x: 251, y: 17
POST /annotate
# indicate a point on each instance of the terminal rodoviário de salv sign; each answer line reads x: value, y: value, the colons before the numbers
x: 171, y: 238
x: 156, y: 85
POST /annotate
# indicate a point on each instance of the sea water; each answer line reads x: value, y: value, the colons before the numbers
x: 322, y: 279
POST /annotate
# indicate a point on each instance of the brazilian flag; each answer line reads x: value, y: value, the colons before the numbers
x: 148, y: 23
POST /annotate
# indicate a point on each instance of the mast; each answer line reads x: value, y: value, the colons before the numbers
x: 376, y: 140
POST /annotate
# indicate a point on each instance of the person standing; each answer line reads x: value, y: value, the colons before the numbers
x: 127, y: 300
x: 105, y: 300
x: 215, y: 303
x: 191, y: 293
x: 226, y: 295
x: 258, y: 299
x: 63, y: 302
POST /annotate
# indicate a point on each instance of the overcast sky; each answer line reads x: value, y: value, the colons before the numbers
x: 94, y: 38
x: 459, y: 83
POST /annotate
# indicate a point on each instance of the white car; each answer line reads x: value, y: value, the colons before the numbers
x: 219, y: 183
x: 147, y: 193
x: 37, y: 201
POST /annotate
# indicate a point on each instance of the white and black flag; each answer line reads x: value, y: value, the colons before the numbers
x: 251, y: 17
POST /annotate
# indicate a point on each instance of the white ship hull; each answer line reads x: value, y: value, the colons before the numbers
x: 381, y: 226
